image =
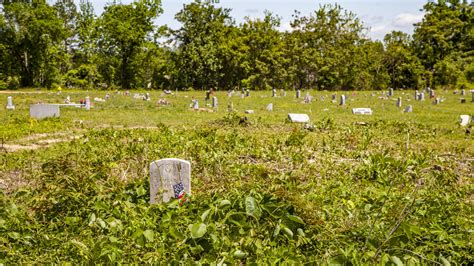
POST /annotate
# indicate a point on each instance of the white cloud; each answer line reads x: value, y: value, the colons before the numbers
x: 380, y: 28
x: 405, y: 20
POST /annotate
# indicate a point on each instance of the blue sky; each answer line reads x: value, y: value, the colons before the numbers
x: 381, y: 16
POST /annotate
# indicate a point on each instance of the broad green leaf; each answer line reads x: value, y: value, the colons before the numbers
x: 396, y: 260
x: 251, y: 207
x: 444, y: 261
x: 239, y: 254
x: 205, y: 214
x: 224, y: 203
x: 198, y: 230
x: 149, y: 235
x: 295, y: 219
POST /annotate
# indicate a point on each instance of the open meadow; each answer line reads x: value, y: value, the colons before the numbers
x: 393, y: 187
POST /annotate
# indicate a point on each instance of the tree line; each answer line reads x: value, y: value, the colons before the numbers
x: 63, y: 44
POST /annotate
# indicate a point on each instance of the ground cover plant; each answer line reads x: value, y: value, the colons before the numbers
x: 391, y: 188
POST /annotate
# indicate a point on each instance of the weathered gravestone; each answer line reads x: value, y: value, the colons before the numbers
x: 298, y: 94
x: 463, y: 92
x: 437, y: 101
x: 274, y: 93
x: 249, y: 111
x: 208, y: 95
x: 88, y: 103
x: 169, y: 179
x: 247, y: 94
x: 432, y: 94
x: 409, y: 109
x: 298, y: 118
x: 10, y: 105
x: 416, y: 95
x: 421, y: 96
x: 343, y: 100
x: 390, y: 92
x: 270, y: 107
x: 399, y: 102
x: 362, y: 111
x: 195, y: 104
x: 465, y: 120
x: 214, y: 102
x: 40, y: 111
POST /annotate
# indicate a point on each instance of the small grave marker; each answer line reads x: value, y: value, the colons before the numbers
x: 270, y: 107
x: 249, y: 111
x: 40, y: 111
x: 298, y: 118
x: 390, y: 92
x: 416, y: 95
x: 10, y: 105
x: 399, y: 102
x: 463, y: 92
x: 247, y: 93
x: 342, y: 100
x: 465, y: 120
x: 437, y: 101
x: 409, y: 109
x: 298, y: 94
x: 362, y: 111
x: 169, y: 178
x: 432, y: 93
x: 195, y: 104
x: 274, y: 93
x: 214, y: 102
x: 421, y: 96
x: 88, y: 103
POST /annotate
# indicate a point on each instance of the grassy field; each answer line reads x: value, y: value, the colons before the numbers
x: 391, y: 188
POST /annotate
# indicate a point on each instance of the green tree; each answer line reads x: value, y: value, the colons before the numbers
x: 125, y: 29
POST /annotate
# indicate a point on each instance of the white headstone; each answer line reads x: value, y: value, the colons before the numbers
x: 88, y: 103
x: 274, y: 93
x: 465, y: 120
x: 409, y: 109
x: 421, y: 96
x: 214, y: 102
x: 10, y: 105
x: 343, y: 100
x: 195, y: 104
x: 298, y: 118
x: 362, y: 111
x: 437, y: 101
x: 40, y: 111
x: 416, y: 95
x: 270, y: 107
x: 399, y: 102
x: 247, y: 94
x: 169, y: 179
x: 249, y: 111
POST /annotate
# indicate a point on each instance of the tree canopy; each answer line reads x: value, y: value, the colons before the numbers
x: 44, y: 44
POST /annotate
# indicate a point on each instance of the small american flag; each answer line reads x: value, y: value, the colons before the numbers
x: 178, y: 190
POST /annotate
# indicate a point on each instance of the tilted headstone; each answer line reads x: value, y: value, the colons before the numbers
x: 88, y: 103
x: 399, y: 102
x: 169, y: 179
x: 214, y: 102
x: 40, y: 111
x: 342, y: 100
x: 298, y: 118
x: 298, y: 94
x: 270, y: 107
x: 274, y: 93
x: 465, y: 120
x: 10, y: 105
x: 362, y: 111
x: 409, y: 109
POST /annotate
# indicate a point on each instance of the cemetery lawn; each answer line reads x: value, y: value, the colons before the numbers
x: 390, y: 188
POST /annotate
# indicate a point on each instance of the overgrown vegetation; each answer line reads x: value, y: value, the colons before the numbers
x: 340, y: 194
